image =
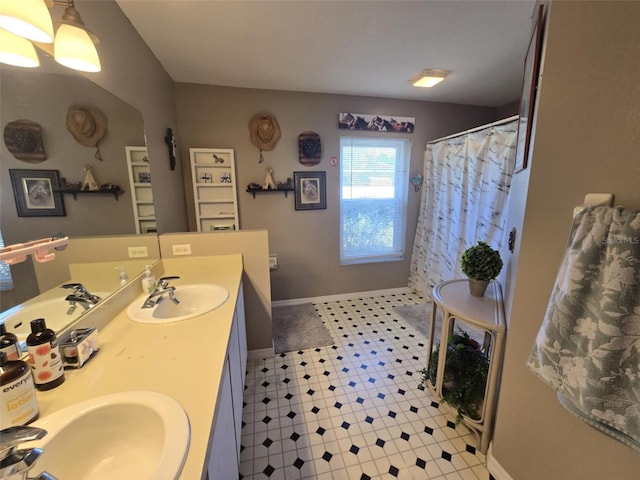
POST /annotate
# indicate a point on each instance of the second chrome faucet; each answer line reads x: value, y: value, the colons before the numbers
x: 162, y: 288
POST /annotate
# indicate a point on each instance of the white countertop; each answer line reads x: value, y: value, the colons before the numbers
x: 183, y: 360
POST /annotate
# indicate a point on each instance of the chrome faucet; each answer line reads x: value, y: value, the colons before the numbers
x: 15, y: 464
x: 162, y: 287
x: 79, y: 295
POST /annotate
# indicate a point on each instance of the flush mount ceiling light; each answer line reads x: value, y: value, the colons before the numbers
x: 428, y: 78
x: 73, y: 45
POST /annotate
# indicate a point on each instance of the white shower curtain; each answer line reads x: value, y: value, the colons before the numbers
x: 466, y: 184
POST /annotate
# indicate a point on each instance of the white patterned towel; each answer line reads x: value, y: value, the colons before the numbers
x: 588, y: 347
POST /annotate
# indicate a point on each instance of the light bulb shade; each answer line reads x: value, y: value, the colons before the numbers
x: 74, y: 48
x: 27, y: 18
x: 17, y: 51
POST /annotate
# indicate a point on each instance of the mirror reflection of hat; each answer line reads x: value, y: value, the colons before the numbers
x: 87, y: 124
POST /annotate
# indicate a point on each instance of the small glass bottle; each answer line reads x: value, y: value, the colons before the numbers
x: 9, y: 343
x: 18, y: 401
x: 44, y: 356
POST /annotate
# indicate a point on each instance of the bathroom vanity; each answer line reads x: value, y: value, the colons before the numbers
x: 199, y: 362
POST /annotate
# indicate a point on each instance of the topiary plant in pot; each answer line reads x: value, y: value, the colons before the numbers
x: 480, y: 263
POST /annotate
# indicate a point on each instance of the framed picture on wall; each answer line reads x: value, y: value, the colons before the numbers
x: 37, y: 193
x: 528, y: 95
x: 310, y: 190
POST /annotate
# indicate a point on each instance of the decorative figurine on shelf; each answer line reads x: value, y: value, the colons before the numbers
x: 288, y: 185
x: 90, y: 183
x: 269, y: 182
x: 225, y: 178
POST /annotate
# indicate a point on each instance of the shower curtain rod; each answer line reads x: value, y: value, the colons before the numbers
x: 471, y: 130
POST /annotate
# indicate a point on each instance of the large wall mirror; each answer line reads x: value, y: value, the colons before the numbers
x: 44, y: 95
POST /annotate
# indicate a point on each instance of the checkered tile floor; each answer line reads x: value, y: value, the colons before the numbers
x: 353, y: 410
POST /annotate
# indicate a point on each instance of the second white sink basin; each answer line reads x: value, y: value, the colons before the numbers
x: 132, y: 434
x: 195, y: 299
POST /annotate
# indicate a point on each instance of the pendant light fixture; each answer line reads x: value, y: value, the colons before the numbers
x: 17, y: 51
x: 73, y: 45
x: 28, y: 18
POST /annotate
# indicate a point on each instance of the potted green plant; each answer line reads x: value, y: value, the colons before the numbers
x: 465, y: 375
x: 480, y: 263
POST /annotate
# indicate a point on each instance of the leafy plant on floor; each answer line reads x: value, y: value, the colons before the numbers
x: 465, y: 375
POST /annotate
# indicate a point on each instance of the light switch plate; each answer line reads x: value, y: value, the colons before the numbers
x: 138, y: 252
x: 184, y: 249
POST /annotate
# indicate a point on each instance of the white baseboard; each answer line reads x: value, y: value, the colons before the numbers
x: 260, y: 354
x: 495, y: 469
x: 341, y: 296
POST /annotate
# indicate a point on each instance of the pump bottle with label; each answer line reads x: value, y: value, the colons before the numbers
x: 44, y: 356
x: 18, y: 401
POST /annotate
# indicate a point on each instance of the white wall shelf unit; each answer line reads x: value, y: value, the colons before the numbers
x: 215, y: 196
x: 482, y: 318
x: 141, y: 192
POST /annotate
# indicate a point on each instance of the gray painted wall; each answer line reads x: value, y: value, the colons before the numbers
x: 587, y: 139
x: 307, y: 242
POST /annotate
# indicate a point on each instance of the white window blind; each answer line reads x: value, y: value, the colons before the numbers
x: 6, y: 281
x: 373, y: 199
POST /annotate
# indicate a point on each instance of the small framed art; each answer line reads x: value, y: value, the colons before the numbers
x: 37, y: 193
x: 310, y: 190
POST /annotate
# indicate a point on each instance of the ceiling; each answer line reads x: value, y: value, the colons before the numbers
x: 364, y: 47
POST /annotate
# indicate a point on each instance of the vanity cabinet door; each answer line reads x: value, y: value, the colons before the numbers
x: 223, y: 460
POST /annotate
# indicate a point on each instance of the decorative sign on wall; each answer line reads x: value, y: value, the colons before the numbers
x: 376, y: 123
x: 23, y: 138
x: 309, y: 148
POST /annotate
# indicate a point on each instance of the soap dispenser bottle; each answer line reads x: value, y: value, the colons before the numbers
x: 18, y: 401
x: 148, y: 281
x: 44, y: 356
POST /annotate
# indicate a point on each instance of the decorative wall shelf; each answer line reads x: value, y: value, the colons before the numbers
x: 213, y: 176
x: 253, y: 191
x: 75, y: 192
x: 141, y: 192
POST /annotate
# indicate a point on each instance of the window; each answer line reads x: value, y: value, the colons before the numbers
x: 373, y: 199
x: 6, y: 281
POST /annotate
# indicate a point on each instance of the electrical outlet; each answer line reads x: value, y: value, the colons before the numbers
x: 138, y: 252
x: 184, y: 249
x: 273, y: 261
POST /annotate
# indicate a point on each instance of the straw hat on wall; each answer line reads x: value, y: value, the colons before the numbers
x: 264, y: 131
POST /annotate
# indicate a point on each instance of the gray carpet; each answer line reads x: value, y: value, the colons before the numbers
x: 296, y: 327
x: 418, y: 316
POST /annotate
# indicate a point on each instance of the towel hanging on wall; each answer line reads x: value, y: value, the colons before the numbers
x: 588, y: 347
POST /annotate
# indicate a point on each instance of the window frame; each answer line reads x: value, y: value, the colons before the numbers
x: 400, y: 198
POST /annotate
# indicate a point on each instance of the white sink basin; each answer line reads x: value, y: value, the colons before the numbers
x: 134, y: 434
x: 18, y: 319
x: 195, y: 299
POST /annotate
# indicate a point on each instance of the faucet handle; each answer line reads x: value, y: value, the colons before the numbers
x: 173, y: 277
x: 11, y: 437
x: 163, y: 282
x: 71, y: 286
